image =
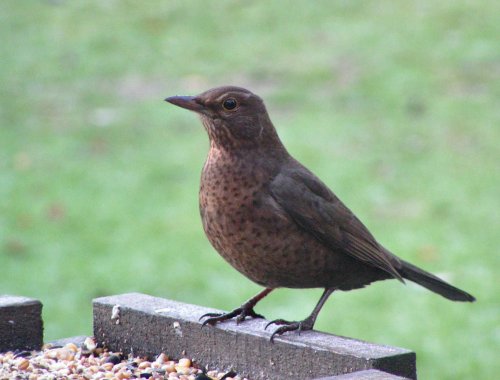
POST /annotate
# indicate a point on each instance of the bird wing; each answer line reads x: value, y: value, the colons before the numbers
x: 311, y: 204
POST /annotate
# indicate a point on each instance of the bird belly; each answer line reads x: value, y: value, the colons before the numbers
x: 251, y: 232
x: 275, y: 252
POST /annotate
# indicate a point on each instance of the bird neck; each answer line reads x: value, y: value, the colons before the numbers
x: 264, y: 143
x: 245, y: 151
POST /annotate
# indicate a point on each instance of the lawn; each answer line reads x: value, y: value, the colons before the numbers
x: 393, y: 104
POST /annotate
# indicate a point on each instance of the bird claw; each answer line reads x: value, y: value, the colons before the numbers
x: 209, y: 315
x: 289, y: 326
x: 277, y: 322
x: 213, y: 318
x: 240, y: 313
x: 247, y: 313
x: 251, y: 313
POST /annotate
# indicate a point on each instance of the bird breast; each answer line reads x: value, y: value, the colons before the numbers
x: 250, y: 230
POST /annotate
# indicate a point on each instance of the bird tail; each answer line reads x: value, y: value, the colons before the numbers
x: 433, y: 283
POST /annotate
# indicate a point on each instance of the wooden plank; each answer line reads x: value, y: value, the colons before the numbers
x: 148, y: 325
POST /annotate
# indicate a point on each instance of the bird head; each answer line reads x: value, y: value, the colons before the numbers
x: 233, y: 117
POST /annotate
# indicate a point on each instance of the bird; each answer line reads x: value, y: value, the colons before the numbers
x: 275, y: 221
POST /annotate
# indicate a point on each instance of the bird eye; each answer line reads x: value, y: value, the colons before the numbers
x: 229, y: 104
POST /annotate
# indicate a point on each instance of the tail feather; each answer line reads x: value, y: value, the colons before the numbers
x: 433, y: 283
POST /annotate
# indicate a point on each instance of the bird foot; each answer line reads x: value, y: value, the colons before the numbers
x: 306, y: 324
x: 240, y: 313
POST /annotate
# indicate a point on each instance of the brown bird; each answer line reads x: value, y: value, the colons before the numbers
x: 275, y: 221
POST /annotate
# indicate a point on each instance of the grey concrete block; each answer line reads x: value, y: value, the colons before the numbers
x: 21, y: 326
x: 370, y: 374
x: 148, y: 325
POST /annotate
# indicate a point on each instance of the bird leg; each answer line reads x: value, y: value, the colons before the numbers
x: 245, y: 310
x: 306, y: 324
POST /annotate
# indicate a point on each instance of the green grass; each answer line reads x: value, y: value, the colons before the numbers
x: 393, y: 104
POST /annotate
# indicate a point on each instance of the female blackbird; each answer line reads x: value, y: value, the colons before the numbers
x: 275, y: 221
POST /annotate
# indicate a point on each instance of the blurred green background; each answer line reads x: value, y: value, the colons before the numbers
x: 395, y: 105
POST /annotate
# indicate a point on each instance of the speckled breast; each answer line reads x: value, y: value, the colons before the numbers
x: 251, y: 232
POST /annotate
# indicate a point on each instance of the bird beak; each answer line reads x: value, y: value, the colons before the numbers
x: 187, y: 102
